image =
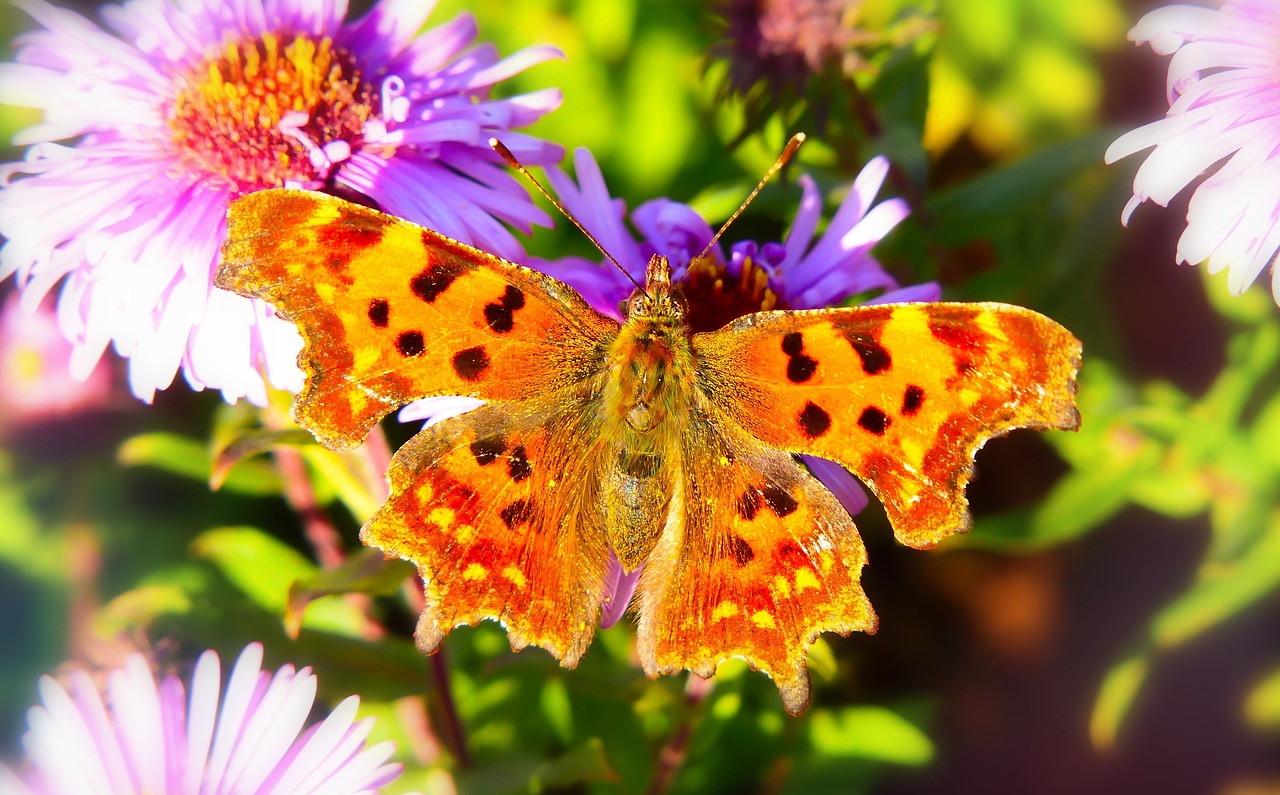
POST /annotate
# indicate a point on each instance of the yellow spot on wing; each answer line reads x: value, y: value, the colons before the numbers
x: 516, y: 576
x: 781, y: 587
x: 805, y: 579
x: 475, y: 572
x: 441, y: 517
x: 724, y: 610
x: 763, y: 619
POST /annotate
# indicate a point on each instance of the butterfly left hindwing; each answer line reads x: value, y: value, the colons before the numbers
x: 497, y: 509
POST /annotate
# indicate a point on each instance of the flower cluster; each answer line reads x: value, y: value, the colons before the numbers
x: 152, y: 738
x: 183, y: 107
x: 1224, y: 108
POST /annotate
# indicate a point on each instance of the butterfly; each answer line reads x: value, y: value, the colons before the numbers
x: 673, y: 451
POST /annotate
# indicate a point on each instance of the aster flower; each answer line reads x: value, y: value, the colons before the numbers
x: 151, y: 738
x: 176, y: 109
x: 1224, y: 108
x: 35, y: 383
x: 797, y: 273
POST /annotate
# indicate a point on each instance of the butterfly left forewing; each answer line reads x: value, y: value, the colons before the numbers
x: 390, y: 312
x: 903, y: 395
x: 756, y: 560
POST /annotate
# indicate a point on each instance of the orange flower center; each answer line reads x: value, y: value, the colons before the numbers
x: 262, y: 114
x: 715, y: 298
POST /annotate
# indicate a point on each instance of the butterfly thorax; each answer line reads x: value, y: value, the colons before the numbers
x: 645, y: 401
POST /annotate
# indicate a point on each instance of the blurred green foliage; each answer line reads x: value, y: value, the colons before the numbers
x: 1014, y: 87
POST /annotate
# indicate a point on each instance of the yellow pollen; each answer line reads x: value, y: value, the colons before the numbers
x: 715, y: 298
x: 475, y: 572
x: 28, y: 364
x: 227, y: 111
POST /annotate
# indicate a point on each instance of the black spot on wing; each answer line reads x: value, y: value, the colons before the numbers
x: 431, y: 283
x: 779, y: 501
x: 470, y: 363
x: 875, y: 358
x: 500, y: 315
x: 800, y: 367
x: 874, y: 420
x: 379, y: 312
x: 410, y: 343
x: 518, y: 511
x: 912, y: 400
x: 814, y: 420
x: 749, y: 504
x: 487, y: 450
x: 518, y: 465
x: 740, y: 549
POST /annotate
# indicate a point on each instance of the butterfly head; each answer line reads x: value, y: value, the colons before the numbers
x: 660, y: 302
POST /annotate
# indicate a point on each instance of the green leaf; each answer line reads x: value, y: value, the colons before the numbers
x: 870, y: 732
x: 366, y: 571
x: 190, y: 459
x: 264, y: 568
x: 332, y: 476
x: 253, y: 443
x: 1119, y: 688
x: 582, y: 764
x: 1262, y: 706
x: 976, y: 208
x: 25, y: 543
x: 1222, y: 588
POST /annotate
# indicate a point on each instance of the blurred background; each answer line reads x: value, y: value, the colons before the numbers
x: 1110, y: 625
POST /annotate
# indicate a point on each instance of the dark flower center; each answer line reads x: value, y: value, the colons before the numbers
x: 263, y: 113
x: 717, y: 297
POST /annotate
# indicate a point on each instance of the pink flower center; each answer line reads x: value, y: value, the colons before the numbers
x: 265, y: 114
x: 716, y: 298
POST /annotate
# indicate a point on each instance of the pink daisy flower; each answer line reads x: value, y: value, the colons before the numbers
x: 1224, y: 112
x: 151, y: 738
x: 153, y: 125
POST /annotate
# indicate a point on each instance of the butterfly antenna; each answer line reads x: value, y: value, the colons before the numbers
x: 787, y: 152
x: 506, y: 155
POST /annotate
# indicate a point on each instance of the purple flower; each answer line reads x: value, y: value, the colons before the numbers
x: 35, y: 383
x: 1224, y: 108
x: 151, y: 738
x: 798, y: 273
x: 181, y: 108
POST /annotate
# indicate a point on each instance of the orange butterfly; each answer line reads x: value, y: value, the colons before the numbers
x: 674, y: 450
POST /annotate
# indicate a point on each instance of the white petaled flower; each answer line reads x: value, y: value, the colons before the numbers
x: 1224, y: 111
x: 152, y: 739
x: 153, y: 125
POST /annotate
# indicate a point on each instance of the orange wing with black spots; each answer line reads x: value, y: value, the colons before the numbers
x: 496, y: 508
x: 640, y: 442
x: 391, y: 312
x: 902, y: 395
x: 758, y: 559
